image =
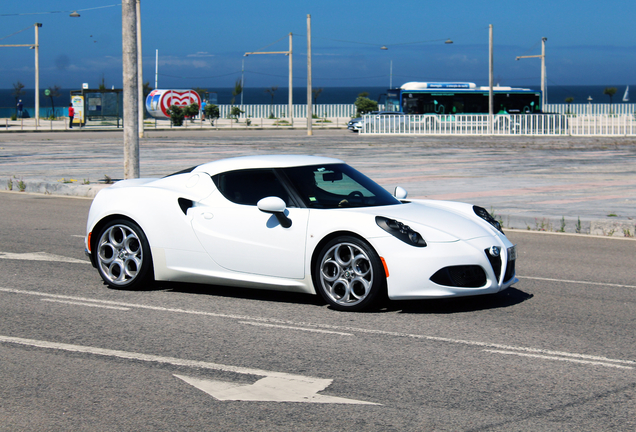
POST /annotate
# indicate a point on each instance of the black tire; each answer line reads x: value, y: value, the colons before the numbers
x: 122, y: 255
x: 349, y: 274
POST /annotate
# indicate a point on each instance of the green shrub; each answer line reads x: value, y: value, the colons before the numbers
x: 191, y: 111
x: 212, y: 113
x: 176, y: 115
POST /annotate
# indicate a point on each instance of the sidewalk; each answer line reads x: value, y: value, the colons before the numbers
x: 561, y: 184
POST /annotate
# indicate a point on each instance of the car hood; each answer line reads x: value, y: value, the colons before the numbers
x: 436, y: 224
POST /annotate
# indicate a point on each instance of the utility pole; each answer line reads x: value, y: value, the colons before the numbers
x: 491, y: 80
x: 310, y: 113
x: 291, y: 93
x: 543, y: 86
x: 131, y: 98
x: 242, y: 79
x: 37, y: 74
x: 140, y: 72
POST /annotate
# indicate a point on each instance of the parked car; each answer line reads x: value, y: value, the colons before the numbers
x: 356, y: 124
x: 295, y: 223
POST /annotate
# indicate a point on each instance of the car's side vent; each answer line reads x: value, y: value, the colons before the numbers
x: 185, y: 204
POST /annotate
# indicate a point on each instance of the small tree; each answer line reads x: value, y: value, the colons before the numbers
x: 365, y: 105
x: 102, y: 84
x: 54, y: 92
x: 238, y: 89
x: 569, y: 100
x: 191, y: 111
x: 176, y: 115
x: 271, y: 91
x: 610, y: 91
x: 212, y: 112
x: 17, y: 92
x: 316, y: 93
x: 235, y: 112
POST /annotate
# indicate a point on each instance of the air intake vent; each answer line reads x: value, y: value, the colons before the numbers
x: 466, y: 276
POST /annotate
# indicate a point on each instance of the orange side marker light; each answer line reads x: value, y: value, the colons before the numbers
x: 386, y: 269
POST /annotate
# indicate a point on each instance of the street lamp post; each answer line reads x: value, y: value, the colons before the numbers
x: 35, y: 47
x: 287, y: 53
x: 542, y: 57
x: 491, y: 67
x: 37, y: 74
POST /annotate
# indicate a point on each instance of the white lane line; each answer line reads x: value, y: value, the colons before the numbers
x: 576, y: 282
x: 276, y: 386
x: 596, y: 363
x: 41, y: 256
x: 260, y: 324
x: 329, y: 326
x: 86, y: 304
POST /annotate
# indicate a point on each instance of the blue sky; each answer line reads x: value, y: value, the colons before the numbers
x: 201, y: 43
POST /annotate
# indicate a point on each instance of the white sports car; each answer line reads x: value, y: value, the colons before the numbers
x: 295, y: 223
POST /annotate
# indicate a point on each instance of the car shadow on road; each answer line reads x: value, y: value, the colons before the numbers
x: 241, y: 293
x: 507, y: 298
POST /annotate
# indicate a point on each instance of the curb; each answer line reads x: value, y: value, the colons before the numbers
x: 615, y: 228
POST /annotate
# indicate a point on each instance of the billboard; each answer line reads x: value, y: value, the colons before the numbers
x: 158, y: 101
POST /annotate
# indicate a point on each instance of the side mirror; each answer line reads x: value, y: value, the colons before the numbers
x: 400, y: 193
x: 275, y: 206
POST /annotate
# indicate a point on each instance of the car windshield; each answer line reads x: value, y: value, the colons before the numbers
x: 337, y: 186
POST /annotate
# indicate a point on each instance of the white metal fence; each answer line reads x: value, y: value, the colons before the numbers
x: 502, y: 124
x: 299, y: 111
x: 349, y: 110
x: 591, y: 109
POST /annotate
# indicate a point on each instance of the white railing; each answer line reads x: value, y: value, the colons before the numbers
x: 591, y: 109
x: 503, y: 124
x: 299, y: 111
x: 349, y: 110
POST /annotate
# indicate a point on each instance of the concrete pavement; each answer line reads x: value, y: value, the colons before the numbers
x: 561, y: 184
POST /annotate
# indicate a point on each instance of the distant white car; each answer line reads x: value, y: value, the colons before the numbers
x: 295, y: 223
x: 356, y: 124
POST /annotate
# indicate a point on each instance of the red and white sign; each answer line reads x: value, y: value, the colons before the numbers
x: 159, y: 101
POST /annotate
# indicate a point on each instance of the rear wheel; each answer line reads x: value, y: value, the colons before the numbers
x: 123, y: 256
x: 349, y: 274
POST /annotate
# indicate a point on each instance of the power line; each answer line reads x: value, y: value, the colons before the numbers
x: 55, y: 12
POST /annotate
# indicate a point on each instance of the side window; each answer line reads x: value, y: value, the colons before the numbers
x: 249, y: 186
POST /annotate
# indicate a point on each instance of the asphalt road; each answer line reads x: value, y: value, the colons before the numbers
x: 554, y: 353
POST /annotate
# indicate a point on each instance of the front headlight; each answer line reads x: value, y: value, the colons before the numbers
x: 400, y: 231
x: 483, y: 213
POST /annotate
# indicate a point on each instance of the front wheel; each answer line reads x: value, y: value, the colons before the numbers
x: 349, y: 274
x: 123, y: 256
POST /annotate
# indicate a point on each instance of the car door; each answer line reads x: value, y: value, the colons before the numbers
x: 240, y: 237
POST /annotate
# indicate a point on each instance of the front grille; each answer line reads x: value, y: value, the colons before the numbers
x: 464, y: 276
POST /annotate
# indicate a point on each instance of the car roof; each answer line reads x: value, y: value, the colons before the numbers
x: 263, y: 161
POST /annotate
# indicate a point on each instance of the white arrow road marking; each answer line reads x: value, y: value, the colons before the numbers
x: 41, y: 256
x: 271, y: 389
x: 276, y: 386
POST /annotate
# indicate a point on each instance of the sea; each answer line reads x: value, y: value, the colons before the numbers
x: 330, y: 95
